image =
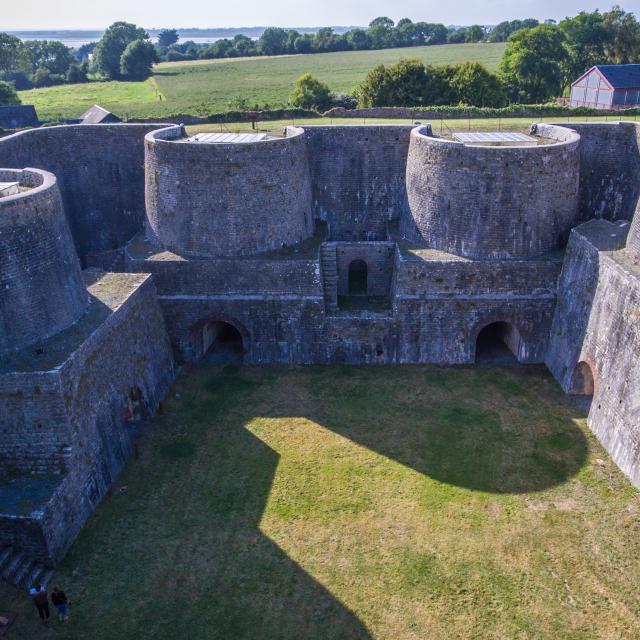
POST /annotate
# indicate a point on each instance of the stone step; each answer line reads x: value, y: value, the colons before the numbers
x: 12, y: 566
x: 35, y: 576
x: 46, y: 578
x: 5, y: 554
x: 22, y: 572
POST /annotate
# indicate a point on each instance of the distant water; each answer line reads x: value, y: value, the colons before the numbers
x: 70, y: 39
x: 76, y: 38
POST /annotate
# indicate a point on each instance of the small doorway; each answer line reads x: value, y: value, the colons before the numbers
x: 358, y: 278
x: 497, y: 344
x: 582, y: 383
x: 221, y: 342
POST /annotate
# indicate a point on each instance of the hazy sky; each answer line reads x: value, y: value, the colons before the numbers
x: 77, y: 14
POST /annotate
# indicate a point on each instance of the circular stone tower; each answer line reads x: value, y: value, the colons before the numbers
x: 633, y: 239
x: 492, y: 201
x: 207, y: 197
x: 42, y: 287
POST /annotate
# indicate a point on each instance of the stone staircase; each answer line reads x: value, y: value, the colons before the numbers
x: 18, y: 569
x: 329, y: 271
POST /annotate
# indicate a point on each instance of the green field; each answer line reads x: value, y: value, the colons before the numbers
x: 206, y: 87
x: 319, y: 503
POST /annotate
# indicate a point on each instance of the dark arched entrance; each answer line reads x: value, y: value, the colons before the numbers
x: 358, y: 278
x: 221, y: 342
x: 582, y: 380
x: 497, y: 343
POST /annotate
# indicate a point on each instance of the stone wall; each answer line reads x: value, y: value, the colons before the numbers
x: 358, y: 178
x: 609, y: 169
x: 379, y: 258
x: 42, y: 287
x: 227, y: 199
x: 491, y: 202
x: 596, y: 334
x: 71, y: 422
x: 100, y: 172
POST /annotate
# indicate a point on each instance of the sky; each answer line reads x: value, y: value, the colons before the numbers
x: 80, y: 14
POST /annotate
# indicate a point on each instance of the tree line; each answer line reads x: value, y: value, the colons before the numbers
x: 539, y: 62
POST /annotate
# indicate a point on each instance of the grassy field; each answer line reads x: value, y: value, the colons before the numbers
x: 206, y: 87
x: 403, y: 503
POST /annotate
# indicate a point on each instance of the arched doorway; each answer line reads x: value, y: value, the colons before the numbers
x: 221, y: 342
x: 498, y: 343
x: 358, y: 278
x: 582, y: 380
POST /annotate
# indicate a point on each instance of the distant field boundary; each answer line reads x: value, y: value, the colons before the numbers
x: 390, y: 113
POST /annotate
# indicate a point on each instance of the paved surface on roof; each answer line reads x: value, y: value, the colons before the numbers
x: 227, y: 138
x: 493, y: 137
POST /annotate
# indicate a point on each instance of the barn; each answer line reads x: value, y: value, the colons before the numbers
x: 607, y: 86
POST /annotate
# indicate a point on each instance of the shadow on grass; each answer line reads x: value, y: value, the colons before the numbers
x: 192, y: 537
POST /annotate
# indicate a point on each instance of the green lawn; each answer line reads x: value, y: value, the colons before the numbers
x: 316, y: 503
x: 206, y: 87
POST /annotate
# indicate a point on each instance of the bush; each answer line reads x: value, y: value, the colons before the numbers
x: 8, y: 94
x: 137, y: 60
x: 310, y: 93
x: 77, y: 74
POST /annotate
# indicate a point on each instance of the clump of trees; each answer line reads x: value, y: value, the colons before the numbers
x: 124, y: 53
x: 539, y: 63
x: 411, y: 83
x: 38, y: 63
x: 311, y: 93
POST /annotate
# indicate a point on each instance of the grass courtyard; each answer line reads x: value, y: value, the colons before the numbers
x: 358, y: 503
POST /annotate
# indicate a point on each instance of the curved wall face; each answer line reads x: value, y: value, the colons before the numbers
x: 633, y: 239
x: 609, y: 169
x: 42, y: 287
x: 100, y: 172
x: 227, y: 199
x: 492, y: 202
x: 358, y: 177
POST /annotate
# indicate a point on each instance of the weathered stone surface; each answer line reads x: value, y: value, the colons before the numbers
x: 227, y: 199
x: 100, y: 172
x: 41, y: 287
x: 492, y: 202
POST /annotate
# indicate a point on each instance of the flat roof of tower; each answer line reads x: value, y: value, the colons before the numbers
x: 9, y: 188
x: 227, y: 138
x: 495, y: 138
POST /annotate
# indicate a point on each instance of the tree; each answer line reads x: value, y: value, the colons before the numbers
x: 167, y: 37
x: 77, y: 73
x: 310, y: 93
x: 244, y: 46
x: 457, y: 36
x: 585, y: 39
x: 8, y: 94
x: 502, y: 31
x: 303, y: 43
x: 13, y: 55
x: 531, y: 67
x: 273, y: 41
x: 109, y: 50
x: 358, y: 39
x: 474, y: 33
x: 476, y: 86
x: 383, y: 21
x: 137, y: 60
x: 51, y: 55
x: 622, y: 42
x: 376, y: 89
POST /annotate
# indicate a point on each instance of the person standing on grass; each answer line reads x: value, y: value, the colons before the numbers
x: 61, y: 603
x: 39, y: 596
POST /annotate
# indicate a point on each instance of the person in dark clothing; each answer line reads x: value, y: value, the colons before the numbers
x: 39, y: 596
x: 61, y: 603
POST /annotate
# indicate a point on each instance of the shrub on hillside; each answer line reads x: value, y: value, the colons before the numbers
x: 137, y: 60
x: 8, y: 94
x: 310, y: 93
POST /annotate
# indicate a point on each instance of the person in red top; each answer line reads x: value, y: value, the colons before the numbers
x: 39, y: 597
